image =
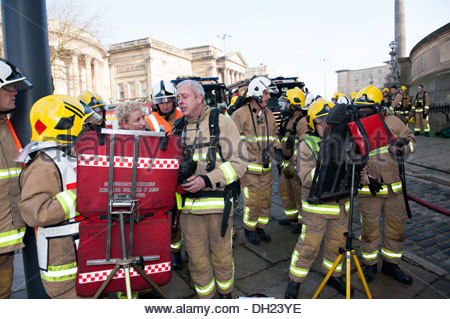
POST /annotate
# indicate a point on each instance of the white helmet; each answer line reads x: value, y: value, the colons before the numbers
x: 9, y: 74
x: 258, y: 85
x: 162, y: 91
x: 343, y: 100
x: 309, y: 99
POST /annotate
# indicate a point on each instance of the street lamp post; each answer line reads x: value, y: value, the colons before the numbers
x: 324, y: 60
x: 224, y: 38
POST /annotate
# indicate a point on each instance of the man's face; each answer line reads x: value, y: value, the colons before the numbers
x: 166, y: 107
x: 135, y: 121
x: 420, y: 88
x: 320, y: 127
x: 189, y: 104
x: 385, y: 94
x: 7, y: 98
x: 265, y: 99
x: 394, y: 90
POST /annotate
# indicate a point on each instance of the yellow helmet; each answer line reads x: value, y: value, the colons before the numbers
x: 386, y: 90
x: 57, y: 118
x: 353, y: 94
x: 318, y: 111
x: 293, y: 99
x: 412, y: 120
x: 369, y: 96
x: 404, y: 89
x: 337, y: 95
x: 93, y: 100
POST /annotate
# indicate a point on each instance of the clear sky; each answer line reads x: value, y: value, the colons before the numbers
x: 289, y: 36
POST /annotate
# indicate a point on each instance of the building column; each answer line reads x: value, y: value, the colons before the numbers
x: 88, y: 67
x: 96, y: 79
x: 75, y: 87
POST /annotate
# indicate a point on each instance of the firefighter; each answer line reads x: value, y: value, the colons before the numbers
x: 406, y: 104
x: 336, y: 97
x: 214, y: 158
x: 97, y: 104
x: 327, y: 220
x: 420, y: 111
x: 258, y: 128
x: 12, y: 227
x: 130, y: 116
x: 396, y: 101
x: 383, y: 167
x: 163, y: 94
x: 293, y: 128
x: 48, y: 183
x: 386, y: 101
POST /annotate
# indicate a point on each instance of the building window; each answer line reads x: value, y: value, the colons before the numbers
x: 356, y: 75
x: 132, y: 89
x: 380, y: 71
x: 143, y: 89
x: 369, y: 73
x: 363, y: 75
x: 120, y: 90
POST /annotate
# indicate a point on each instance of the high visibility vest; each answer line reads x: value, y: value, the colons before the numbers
x: 155, y: 121
x: 67, y: 199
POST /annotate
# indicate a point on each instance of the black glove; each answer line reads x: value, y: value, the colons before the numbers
x: 374, y: 186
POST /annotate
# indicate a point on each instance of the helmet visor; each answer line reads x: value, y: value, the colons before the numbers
x: 20, y: 86
x: 91, y: 116
x: 163, y: 99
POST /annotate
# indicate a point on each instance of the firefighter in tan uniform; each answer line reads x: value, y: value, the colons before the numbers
x: 164, y: 94
x: 48, y: 182
x: 259, y: 130
x: 386, y: 101
x: 293, y: 129
x: 214, y: 158
x: 396, y: 101
x: 98, y: 105
x: 383, y: 166
x: 420, y: 110
x: 326, y: 221
x: 406, y: 104
x: 12, y: 227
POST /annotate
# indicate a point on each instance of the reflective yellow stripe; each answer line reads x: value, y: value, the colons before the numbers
x: 12, y: 237
x: 263, y: 220
x: 328, y: 264
x: 202, y: 156
x: 291, y: 212
x: 303, y: 233
x: 204, y: 203
x: 396, y: 187
x: 229, y: 172
x: 245, y: 191
x: 369, y: 256
x: 10, y: 172
x: 411, y: 147
x: 321, y: 209
x: 296, y: 271
x: 390, y: 254
x: 60, y: 273
x: 246, y: 218
x: 366, y: 190
x: 179, y: 200
x: 224, y: 285
x: 67, y: 200
x: 312, y: 173
x: 176, y: 245
x: 205, y: 290
x: 258, y: 167
x: 380, y: 150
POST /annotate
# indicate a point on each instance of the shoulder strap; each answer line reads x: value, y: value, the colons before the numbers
x: 214, y: 147
x: 313, y: 144
x: 178, y: 126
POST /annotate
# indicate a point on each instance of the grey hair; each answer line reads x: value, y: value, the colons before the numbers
x: 125, y: 109
x: 194, y: 85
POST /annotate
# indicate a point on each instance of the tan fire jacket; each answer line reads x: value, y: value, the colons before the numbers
x: 307, y: 161
x: 290, y: 156
x: 40, y: 207
x: 383, y: 165
x: 397, y: 100
x: 231, y: 168
x: 259, y: 137
x: 12, y: 227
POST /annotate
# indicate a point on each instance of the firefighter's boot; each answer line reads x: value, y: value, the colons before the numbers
x: 297, y: 229
x: 177, y: 261
x: 369, y: 272
x: 287, y: 221
x: 394, y: 271
x: 262, y: 234
x: 339, y: 284
x: 292, y: 290
x: 226, y: 296
x: 252, y: 236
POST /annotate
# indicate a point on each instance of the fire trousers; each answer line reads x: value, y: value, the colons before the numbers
x: 175, y: 235
x: 421, y: 120
x: 6, y: 274
x: 315, y: 228
x: 392, y: 210
x: 290, y: 191
x: 211, y: 263
x: 257, y: 193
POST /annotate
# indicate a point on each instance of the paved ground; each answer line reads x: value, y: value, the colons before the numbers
x: 264, y: 268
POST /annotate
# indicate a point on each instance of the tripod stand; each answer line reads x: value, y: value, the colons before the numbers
x: 121, y: 205
x: 349, y: 252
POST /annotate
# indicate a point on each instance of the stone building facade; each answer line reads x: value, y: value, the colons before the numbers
x: 354, y: 80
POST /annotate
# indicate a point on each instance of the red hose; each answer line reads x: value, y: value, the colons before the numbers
x: 419, y: 201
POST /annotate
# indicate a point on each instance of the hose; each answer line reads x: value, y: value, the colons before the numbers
x: 426, y: 204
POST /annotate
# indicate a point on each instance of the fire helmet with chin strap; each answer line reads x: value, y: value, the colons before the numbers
x: 10, y: 75
x: 258, y: 85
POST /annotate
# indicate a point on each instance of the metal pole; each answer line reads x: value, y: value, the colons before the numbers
x: 25, y: 41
